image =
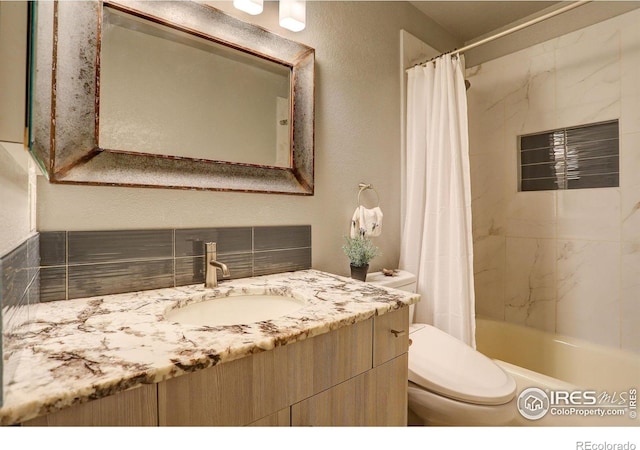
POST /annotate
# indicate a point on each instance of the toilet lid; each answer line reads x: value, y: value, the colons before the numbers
x: 444, y: 365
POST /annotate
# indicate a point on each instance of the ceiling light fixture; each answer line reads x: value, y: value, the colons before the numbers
x: 293, y: 14
x: 253, y: 7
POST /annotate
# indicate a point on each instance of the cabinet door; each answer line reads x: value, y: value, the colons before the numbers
x: 137, y: 407
x: 348, y: 404
x: 390, y: 335
x: 234, y: 393
x: 391, y: 392
x: 326, y: 360
x: 281, y: 418
x: 375, y: 398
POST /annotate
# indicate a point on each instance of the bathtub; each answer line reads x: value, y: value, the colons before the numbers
x: 602, y: 379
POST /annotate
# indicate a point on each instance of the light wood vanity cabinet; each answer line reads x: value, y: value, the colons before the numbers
x: 377, y: 397
x: 137, y: 407
x: 374, y: 398
x: 353, y: 376
x: 356, y: 375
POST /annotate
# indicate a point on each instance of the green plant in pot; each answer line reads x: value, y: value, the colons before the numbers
x: 360, y: 251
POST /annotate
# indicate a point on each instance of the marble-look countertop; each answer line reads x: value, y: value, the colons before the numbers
x: 73, y: 351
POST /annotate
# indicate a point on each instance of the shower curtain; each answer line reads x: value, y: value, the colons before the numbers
x: 436, y: 242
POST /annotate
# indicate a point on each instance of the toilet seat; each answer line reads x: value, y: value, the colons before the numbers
x: 446, y: 366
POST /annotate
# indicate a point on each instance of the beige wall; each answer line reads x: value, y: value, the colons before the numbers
x: 357, y: 139
x: 562, y: 261
x: 15, y: 182
x: 13, y: 59
x: 16, y: 187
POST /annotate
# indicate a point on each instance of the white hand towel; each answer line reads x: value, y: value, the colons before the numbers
x: 366, y: 222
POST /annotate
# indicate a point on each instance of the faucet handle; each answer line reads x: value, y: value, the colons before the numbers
x: 210, y: 247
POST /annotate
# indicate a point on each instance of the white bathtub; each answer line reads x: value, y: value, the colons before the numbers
x: 560, y: 363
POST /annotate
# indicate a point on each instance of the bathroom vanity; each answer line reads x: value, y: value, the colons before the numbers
x: 341, y: 359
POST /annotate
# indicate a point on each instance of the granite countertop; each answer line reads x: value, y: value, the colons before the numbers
x: 72, y: 351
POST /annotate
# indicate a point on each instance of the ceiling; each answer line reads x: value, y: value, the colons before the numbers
x: 469, y: 21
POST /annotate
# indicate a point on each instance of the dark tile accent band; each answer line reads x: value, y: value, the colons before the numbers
x: 19, y: 285
x: 53, y: 248
x: 116, y: 278
x: 110, y: 262
x: 53, y: 283
x: 275, y: 238
x: 191, y: 242
x: 579, y: 157
x: 110, y: 246
x: 190, y: 270
x: 277, y: 261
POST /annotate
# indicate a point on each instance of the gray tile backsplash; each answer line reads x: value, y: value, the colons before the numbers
x: 271, y: 238
x: 190, y: 270
x: 87, y: 280
x: 53, y: 283
x: 53, y: 248
x: 191, y: 242
x: 276, y: 261
x: 86, y: 263
x: 19, y: 286
x: 109, y: 246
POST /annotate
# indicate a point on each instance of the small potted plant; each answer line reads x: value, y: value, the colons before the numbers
x: 360, y: 251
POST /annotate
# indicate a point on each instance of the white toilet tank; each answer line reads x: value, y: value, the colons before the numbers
x: 402, y: 280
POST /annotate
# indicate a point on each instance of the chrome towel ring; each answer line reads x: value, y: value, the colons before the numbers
x: 363, y: 187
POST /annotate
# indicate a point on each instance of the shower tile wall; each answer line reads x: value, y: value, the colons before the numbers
x: 562, y: 261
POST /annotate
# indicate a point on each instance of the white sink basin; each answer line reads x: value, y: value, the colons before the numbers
x: 241, y: 309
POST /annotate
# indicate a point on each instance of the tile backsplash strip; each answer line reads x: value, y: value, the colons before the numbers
x: 75, y: 264
x: 19, y: 287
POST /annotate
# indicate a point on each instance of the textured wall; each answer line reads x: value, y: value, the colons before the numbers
x: 562, y: 261
x: 14, y: 196
x: 13, y: 38
x: 357, y: 136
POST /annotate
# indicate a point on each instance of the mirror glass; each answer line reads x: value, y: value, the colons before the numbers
x: 164, y: 91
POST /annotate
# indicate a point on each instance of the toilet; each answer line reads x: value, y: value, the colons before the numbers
x: 450, y: 383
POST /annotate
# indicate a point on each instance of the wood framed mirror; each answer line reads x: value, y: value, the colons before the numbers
x: 170, y: 95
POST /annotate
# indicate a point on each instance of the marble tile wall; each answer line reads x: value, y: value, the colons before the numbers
x: 19, y: 287
x: 562, y: 261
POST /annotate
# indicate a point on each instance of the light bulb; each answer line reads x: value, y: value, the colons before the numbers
x: 253, y: 7
x: 293, y: 14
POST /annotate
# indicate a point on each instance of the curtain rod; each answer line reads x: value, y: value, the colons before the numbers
x: 509, y: 31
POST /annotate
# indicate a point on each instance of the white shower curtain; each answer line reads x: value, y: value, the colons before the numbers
x: 436, y: 242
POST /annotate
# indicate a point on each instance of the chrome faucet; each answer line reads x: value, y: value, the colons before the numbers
x: 211, y: 266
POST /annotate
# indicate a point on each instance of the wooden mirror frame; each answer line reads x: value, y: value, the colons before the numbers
x: 65, y: 104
